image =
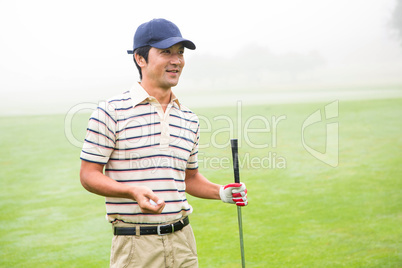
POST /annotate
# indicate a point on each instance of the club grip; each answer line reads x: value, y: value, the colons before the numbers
x: 235, y: 156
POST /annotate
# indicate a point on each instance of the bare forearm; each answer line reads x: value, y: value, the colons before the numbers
x: 97, y: 183
x: 93, y: 179
x: 199, y: 186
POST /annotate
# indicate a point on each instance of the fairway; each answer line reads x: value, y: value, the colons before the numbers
x: 302, y: 212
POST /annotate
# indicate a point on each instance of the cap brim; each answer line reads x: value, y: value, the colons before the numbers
x: 170, y: 42
x: 173, y: 41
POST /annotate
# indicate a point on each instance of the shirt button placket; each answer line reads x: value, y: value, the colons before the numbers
x: 165, y: 135
x: 164, y: 144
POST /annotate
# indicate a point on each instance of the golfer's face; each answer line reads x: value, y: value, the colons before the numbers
x: 164, y: 66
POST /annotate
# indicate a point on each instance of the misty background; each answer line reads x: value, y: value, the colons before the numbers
x: 57, y: 54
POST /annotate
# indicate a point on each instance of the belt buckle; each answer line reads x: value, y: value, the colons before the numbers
x: 158, y: 229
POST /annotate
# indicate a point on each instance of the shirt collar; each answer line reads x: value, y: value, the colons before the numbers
x: 175, y: 99
x: 138, y: 95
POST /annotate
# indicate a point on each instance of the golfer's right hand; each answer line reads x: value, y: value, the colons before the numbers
x: 143, y: 196
x: 234, y: 193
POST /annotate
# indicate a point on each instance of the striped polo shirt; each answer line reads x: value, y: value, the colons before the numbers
x: 141, y: 145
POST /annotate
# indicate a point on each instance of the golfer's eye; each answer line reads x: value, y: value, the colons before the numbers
x: 166, y: 51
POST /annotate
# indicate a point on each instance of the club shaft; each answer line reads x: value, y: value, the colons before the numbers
x: 239, y: 219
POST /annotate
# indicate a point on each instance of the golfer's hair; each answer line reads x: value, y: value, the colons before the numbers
x: 143, y: 52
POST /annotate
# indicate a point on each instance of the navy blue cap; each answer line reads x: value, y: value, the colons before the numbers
x: 159, y: 33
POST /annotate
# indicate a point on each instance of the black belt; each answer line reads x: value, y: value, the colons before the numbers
x: 153, y: 230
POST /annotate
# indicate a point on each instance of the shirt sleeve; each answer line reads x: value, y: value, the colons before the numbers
x: 192, y: 162
x: 100, y: 138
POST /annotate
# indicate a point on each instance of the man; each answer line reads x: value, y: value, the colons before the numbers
x: 148, y: 143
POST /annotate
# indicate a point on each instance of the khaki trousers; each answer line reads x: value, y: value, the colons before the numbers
x: 153, y: 251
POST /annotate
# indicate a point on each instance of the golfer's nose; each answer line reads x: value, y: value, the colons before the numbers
x: 176, y: 59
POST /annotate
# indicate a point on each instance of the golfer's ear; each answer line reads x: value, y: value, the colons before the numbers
x: 139, y: 59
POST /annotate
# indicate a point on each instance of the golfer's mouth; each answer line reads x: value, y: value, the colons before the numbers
x: 172, y: 71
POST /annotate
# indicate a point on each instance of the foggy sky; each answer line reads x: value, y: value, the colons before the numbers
x: 55, y: 54
x: 396, y: 19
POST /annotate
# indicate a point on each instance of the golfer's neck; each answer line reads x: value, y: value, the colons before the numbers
x: 162, y: 95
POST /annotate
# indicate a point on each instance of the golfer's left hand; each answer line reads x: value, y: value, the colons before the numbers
x: 234, y: 193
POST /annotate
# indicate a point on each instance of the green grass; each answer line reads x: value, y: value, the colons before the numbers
x: 302, y: 213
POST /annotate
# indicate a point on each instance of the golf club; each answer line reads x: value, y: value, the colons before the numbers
x: 235, y: 156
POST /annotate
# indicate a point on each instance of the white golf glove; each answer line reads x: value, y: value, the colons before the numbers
x: 234, y: 193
